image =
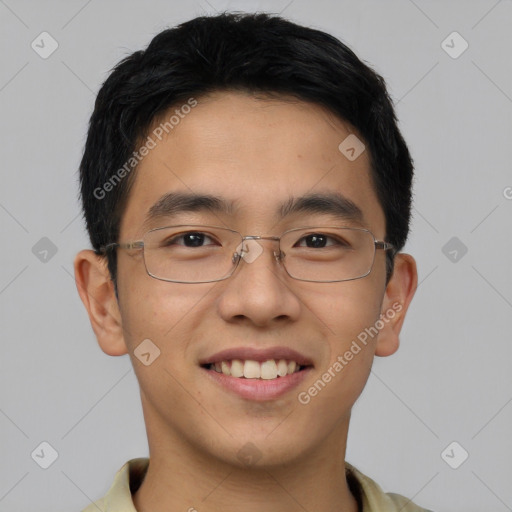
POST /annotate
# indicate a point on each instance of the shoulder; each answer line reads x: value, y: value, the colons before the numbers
x: 404, y: 504
x: 126, y: 481
x: 373, y: 498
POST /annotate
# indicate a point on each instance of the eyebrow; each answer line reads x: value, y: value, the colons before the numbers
x: 332, y: 203
x: 174, y: 203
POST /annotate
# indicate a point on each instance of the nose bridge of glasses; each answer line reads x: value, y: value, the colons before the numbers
x: 244, y: 251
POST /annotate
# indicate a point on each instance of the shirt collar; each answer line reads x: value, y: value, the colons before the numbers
x: 126, y: 482
x: 129, y: 478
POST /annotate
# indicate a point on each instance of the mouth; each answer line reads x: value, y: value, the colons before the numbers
x: 251, y: 369
x: 257, y: 374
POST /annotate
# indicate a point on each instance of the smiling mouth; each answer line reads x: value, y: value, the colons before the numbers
x: 250, y: 369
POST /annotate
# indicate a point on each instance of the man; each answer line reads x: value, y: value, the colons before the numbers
x: 246, y: 192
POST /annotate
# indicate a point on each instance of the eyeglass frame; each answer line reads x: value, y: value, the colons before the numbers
x: 278, y: 255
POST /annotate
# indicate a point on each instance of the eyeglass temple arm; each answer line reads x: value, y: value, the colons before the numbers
x: 128, y: 245
x: 385, y: 246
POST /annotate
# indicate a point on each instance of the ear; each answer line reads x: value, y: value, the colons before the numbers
x: 398, y: 295
x: 96, y: 290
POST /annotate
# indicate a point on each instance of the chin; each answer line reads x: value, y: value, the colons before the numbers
x: 262, y: 449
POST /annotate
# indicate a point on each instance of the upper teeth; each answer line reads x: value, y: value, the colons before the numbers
x: 250, y: 369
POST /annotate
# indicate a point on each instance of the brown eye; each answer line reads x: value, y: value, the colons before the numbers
x: 320, y: 240
x: 190, y: 239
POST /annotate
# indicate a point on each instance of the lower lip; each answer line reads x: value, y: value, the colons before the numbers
x: 259, y: 390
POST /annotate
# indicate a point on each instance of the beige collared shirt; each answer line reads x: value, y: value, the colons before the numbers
x: 370, y: 496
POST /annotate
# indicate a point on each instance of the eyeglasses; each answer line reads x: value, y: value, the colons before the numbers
x: 205, y: 254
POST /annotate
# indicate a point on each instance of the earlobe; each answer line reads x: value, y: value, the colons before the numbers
x: 398, y: 295
x: 96, y: 290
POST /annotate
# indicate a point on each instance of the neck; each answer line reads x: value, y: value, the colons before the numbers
x: 181, y: 478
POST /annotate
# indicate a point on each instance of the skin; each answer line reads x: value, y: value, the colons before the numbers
x: 259, y: 152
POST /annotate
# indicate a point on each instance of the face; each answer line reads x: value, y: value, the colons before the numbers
x: 256, y: 154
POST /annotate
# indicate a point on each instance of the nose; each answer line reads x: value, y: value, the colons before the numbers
x: 259, y: 291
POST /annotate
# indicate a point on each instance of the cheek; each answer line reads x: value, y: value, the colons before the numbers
x: 350, y: 310
x: 347, y: 308
x: 340, y: 380
x: 165, y: 313
x: 158, y: 319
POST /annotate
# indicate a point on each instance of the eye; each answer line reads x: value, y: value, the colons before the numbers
x: 321, y: 240
x: 189, y: 239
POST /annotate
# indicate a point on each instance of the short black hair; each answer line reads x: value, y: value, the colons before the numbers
x: 255, y: 53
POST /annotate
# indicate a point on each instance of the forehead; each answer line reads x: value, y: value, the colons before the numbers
x: 257, y: 155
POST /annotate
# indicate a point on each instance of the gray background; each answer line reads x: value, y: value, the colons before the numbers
x: 450, y: 380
